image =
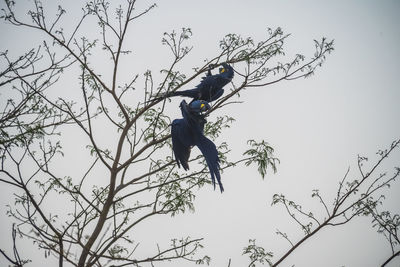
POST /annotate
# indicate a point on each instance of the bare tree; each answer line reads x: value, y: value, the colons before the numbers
x: 358, y: 197
x: 142, y: 179
x: 27, y: 78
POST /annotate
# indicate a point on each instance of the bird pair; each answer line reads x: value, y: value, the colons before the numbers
x: 189, y: 131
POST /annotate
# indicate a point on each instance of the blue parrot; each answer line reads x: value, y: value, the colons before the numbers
x: 189, y: 132
x: 210, y: 87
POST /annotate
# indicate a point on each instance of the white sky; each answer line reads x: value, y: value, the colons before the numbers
x: 317, y: 126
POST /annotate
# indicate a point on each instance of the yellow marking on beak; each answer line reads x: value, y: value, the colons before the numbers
x: 201, y: 106
x: 222, y: 70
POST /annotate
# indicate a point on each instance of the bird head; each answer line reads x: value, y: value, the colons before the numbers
x: 226, y: 69
x: 223, y: 69
x: 199, y: 106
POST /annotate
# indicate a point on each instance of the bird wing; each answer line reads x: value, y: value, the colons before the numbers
x: 210, y: 87
x: 220, y: 80
x: 217, y: 95
x: 210, y: 153
x: 180, y: 143
x: 206, y: 82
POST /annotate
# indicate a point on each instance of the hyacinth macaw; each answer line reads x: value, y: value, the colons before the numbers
x: 188, y: 132
x: 210, y: 87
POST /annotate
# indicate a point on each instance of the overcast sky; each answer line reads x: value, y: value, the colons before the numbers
x: 317, y: 126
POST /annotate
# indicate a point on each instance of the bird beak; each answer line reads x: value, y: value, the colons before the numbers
x: 221, y: 70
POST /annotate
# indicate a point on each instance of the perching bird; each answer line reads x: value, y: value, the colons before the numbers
x: 189, y: 132
x: 210, y: 87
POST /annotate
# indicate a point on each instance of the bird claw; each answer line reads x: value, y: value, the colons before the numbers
x: 211, y: 66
